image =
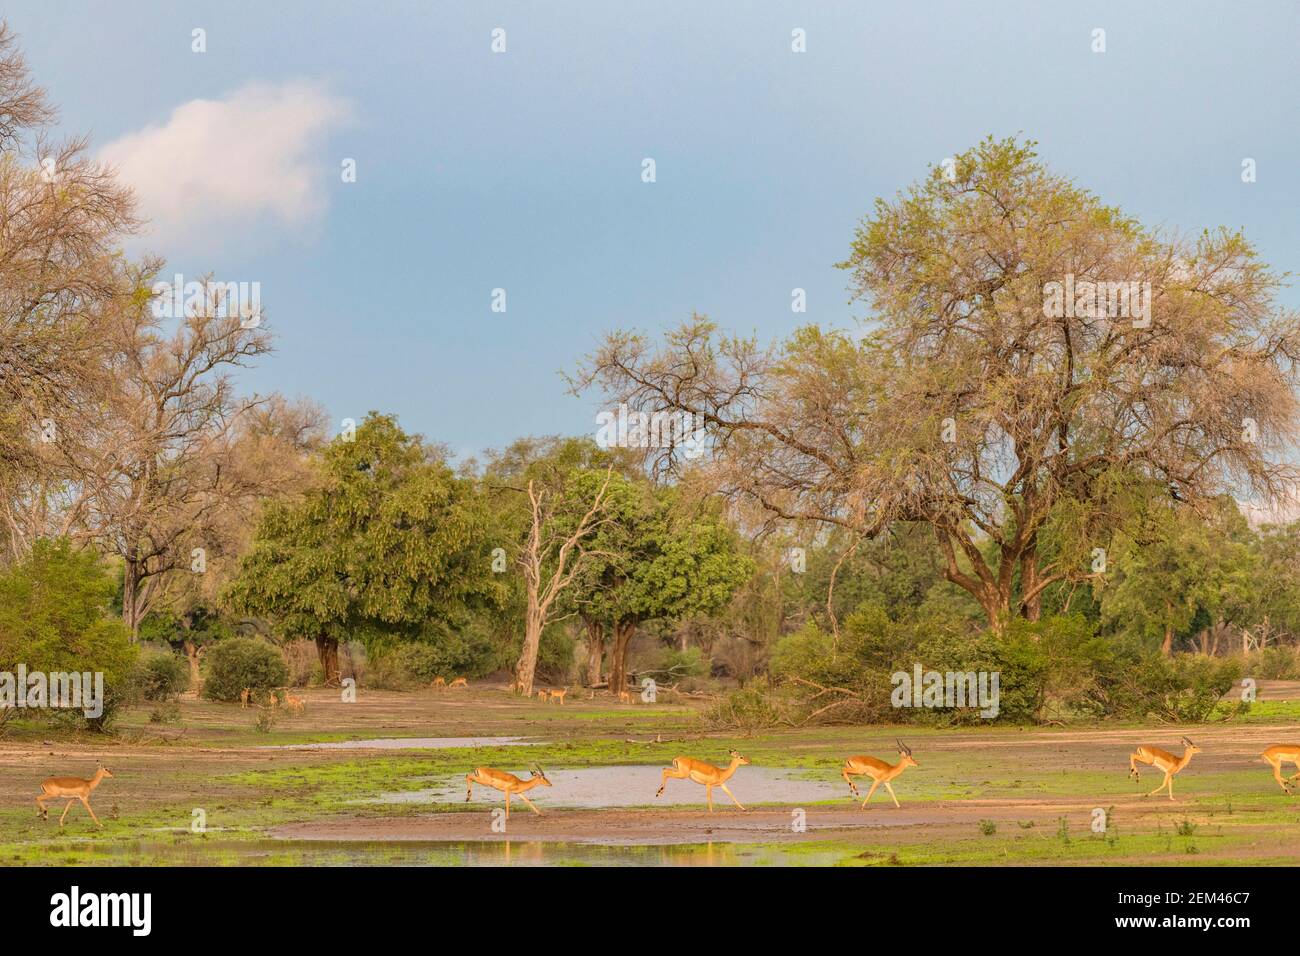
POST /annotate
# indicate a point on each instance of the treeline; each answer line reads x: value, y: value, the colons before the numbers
x: 972, y: 483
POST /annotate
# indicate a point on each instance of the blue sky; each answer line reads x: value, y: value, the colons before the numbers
x: 521, y: 170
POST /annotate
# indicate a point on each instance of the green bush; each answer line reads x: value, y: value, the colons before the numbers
x: 752, y: 708
x: 242, y: 662
x: 416, y: 663
x: 1274, y: 663
x: 675, y: 664
x: 162, y: 675
x: 55, y: 617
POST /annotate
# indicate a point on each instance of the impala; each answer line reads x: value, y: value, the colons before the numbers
x: 543, y: 696
x: 1162, y: 760
x: 74, y: 788
x: 686, y: 768
x: 438, y: 683
x: 507, y: 783
x: 244, y: 697
x: 559, y: 695
x: 296, y: 705
x: 878, y: 770
x: 1279, y: 754
x: 459, y: 682
x: 624, y: 697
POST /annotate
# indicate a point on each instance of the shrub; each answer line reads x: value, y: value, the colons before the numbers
x: 1274, y: 663
x: 55, y: 617
x: 752, y: 708
x: 417, y: 663
x: 242, y: 662
x: 162, y: 675
x: 675, y: 664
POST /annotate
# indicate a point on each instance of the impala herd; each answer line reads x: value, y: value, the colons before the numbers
x: 707, y: 775
x: 880, y: 772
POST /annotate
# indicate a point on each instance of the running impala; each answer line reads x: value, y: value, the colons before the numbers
x: 1162, y: 760
x: 1279, y: 754
x: 878, y: 770
x: 687, y: 768
x: 507, y: 783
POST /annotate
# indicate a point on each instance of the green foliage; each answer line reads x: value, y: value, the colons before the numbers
x: 242, y: 662
x: 389, y: 541
x: 1056, y: 668
x: 54, y: 608
x: 162, y: 675
x: 417, y: 663
x: 675, y: 663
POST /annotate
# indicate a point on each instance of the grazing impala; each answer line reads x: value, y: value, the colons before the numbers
x: 74, y: 788
x: 1279, y: 754
x: 559, y: 695
x: 507, y: 783
x: 1162, y: 760
x: 459, y: 682
x: 879, y: 771
x: 438, y: 683
x: 686, y: 768
x: 296, y: 705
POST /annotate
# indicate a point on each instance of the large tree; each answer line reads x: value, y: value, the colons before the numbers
x: 387, y: 543
x: 977, y: 401
x: 661, y: 557
x: 62, y: 218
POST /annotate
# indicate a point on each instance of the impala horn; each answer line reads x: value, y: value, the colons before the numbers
x: 903, y: 748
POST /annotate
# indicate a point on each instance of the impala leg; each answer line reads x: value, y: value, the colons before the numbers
x: 65, y: 813
x: 853, y: 789
x: 507, y: 804
x: 1171, y: 788
x: 874, y: 785
x: 708, y: 795
x: 672, y: 772
x: 44, y: 812
x: 530, y: 804
x: 86, y: 803
x: 1277, y: 775
x: 1168, y: 781
x: 1132, y: 767
x: 732, y: 795
x: 891, y: 792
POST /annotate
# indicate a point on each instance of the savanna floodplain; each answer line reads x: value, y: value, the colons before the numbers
x: 382, y: 781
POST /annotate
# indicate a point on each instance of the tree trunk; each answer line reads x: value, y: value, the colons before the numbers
x: 595, y: 649
x: 1167, y: 648
x: 192, y: 656
x: 526, y: 669
x: 328, y: 650
x: 130, y: 597
x: 1032, y: 609
x: 623, y: 632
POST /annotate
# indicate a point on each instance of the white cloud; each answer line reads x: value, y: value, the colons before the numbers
x: 218, y: 165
